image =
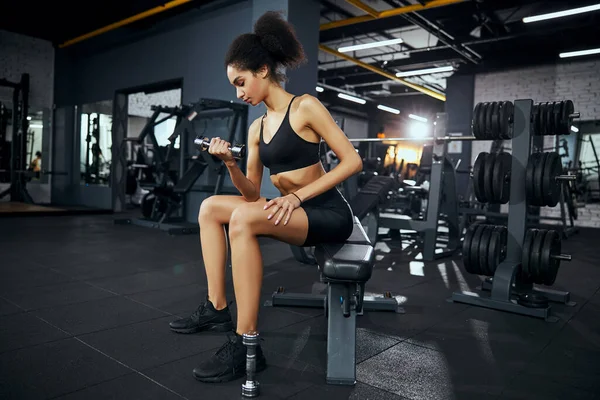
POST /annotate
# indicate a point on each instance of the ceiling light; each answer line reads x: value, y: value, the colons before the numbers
x: 370, y: 45
x: 351, y: 98
x: 416, y: 117
x: 320, y: 89
x: 574, y: 128
x: 579, y: 53
x: 388, y: 109
x: 560, y: 14
x: 447, y: 68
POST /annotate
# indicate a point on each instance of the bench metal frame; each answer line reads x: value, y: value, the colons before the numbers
x: 342, y: 303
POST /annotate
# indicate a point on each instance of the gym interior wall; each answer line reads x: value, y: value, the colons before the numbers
x: 577, y: 81
x: 38, y: 55
x: 92, y: 71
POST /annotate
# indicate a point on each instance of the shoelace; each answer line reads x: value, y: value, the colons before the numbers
x: 196, y: 315
x: 226, y: 352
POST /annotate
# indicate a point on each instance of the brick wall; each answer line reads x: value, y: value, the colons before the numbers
x: 140, y: 103
x: 23, y: 54
x: 578, y: 81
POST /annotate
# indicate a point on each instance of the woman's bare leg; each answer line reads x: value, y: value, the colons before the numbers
x: 214, y: 213
x: 248, y: 222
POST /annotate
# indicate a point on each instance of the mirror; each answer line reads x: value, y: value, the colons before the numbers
x: 95, y: 155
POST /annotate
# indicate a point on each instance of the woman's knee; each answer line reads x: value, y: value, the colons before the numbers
x: 217, y: 208
x: 241, y: 221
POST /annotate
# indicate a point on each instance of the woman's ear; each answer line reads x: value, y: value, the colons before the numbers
x: 264, y: 71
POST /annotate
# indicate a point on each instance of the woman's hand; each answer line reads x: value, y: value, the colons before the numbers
x: 220, y: 149
x: 283, y: 208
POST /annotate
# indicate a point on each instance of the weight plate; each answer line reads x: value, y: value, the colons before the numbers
x: 501, y: 177
x: 525, y: 253
x: 484, y: 244
x: 466, y: 248
x: 507, y: 122
x: 495, y: 121
x: 551, y: 247
x: 550, y: 186
x: 556, y: 114
x: 538, y: 178
x: 530, y: 177
x: 543, y: 124
x: 475, y: 127
x: 535, y: 258
x: 503, y: 244
x: 479, y: 177
x: 481, y: 121
x: 497, y: 249
x: 534, y: 119
x: 493, y: 252
x: 488, y: 121
x: 538, y: 120
x: 488, y: 181
x: 550, y: 118
x: 500, y: 130
x: 474, y: 253
x: 566, y: 121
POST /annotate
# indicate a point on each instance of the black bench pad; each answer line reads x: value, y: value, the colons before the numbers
x: 350, y: 261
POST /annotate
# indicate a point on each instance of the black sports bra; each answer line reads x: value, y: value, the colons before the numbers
x: 287, y: 150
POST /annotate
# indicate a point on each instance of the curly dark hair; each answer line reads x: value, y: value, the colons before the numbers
x: 273, y: 43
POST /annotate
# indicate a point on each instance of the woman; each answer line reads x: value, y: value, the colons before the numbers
x: 310, y: 210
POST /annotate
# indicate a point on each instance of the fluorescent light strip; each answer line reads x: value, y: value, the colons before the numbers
x: 388, y: 109
x: 320, y: 89
x: 447, y: 68
x: 560, y: 14
x: 416, y: 117
x: 579, y: 53
x: 351, y: 98
x: 370, y: 45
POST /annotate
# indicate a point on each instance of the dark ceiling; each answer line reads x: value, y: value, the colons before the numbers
x: 472, y: 36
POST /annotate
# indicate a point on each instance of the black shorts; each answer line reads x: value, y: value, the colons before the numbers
x: 330, y: 218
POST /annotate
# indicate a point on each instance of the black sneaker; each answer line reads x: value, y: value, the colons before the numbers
x: 205, y: 318
x: 228, y: 363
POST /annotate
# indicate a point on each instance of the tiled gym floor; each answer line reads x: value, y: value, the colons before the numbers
x: 85, y: 306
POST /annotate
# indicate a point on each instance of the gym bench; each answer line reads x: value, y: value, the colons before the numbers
x: 345, y: 268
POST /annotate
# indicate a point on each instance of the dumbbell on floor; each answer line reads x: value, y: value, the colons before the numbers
x: 250, y: 388
x: 237, y: 150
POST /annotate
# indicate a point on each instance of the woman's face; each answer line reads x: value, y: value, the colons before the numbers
x: 249, y: 87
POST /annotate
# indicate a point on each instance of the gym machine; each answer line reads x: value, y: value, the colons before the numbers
x: 5, y: 160
x: 513, y: 256
x: 18, y: 147
x: 91, y: 173
x: 441, y: 197
x: 17, y: 165
x: 164, y: 206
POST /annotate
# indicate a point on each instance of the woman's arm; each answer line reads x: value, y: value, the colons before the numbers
x: 318, y: 118
x: 249, y: 185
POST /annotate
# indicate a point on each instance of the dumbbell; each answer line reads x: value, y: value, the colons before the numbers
x: 237, y: 150
x: 250, y: 388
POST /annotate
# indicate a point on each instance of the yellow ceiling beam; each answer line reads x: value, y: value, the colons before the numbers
x: 153, y: 11
x: 374, y: 14
x: 382, y: 72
